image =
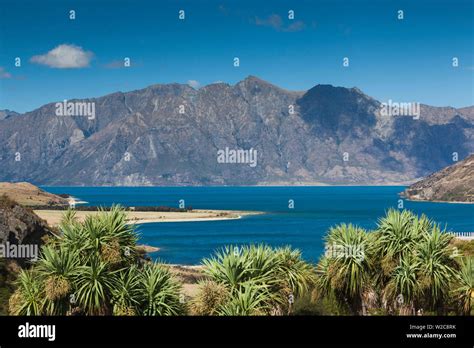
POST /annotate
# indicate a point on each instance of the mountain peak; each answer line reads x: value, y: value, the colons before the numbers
x: 255, y: 80
x: 252, y: 81
x: 4, y: 114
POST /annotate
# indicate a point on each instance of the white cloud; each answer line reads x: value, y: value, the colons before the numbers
x: 194, y: 84
x: 64, y: 56
x: 4, y: 74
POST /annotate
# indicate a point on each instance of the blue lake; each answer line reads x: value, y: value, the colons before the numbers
x: 303, y: 227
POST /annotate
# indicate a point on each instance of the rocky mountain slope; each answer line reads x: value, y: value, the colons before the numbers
x: 452, y: 184
x: 327, y: 134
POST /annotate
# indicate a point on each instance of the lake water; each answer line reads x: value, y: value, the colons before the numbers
x: 303, y: 227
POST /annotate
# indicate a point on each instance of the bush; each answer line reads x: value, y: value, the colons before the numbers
x: 210, y: 298
x: 257, y: 280
x: 409, y: 266
x: 92, y: 268
x: 7, y: 202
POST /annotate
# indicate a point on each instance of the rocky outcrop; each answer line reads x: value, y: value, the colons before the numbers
x: 171, y: 135
x: 452, y: 184
x: 19, y: 225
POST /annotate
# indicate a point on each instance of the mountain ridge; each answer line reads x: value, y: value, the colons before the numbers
x: 167, y: 147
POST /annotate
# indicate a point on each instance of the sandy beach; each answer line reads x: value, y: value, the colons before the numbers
x: 53, y: 217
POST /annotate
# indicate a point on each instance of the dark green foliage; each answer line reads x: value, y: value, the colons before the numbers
x: 410, y: 265
x: 92, y: 268
x: 256, y: 280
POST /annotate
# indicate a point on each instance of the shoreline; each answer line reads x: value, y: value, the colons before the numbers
x: 272, y: 184
x: 53, y: 217
x: 433, y: 201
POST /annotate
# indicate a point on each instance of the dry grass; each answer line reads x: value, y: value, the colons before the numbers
x: 29, y: 195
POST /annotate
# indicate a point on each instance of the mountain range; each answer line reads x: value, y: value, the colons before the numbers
x: 171, y: 134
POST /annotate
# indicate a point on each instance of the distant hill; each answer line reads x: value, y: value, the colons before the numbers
x: 325, y: 135
x: 452, y: 184
x: 27, y: 194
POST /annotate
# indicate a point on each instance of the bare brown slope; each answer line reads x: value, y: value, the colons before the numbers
x: 29, y: 195
x: 451, y: 184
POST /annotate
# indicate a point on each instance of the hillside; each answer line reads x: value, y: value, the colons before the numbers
x: 30, y: 195
x: 452, y: 184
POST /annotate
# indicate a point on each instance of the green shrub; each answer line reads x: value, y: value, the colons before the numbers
x: 92, y: 268
x: 258, y: 280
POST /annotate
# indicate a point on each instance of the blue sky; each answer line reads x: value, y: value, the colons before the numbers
x: 402, y: 60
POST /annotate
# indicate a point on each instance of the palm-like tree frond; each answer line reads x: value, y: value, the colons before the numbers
x: 464, y: 290
x: 249, y: 300
x: 94, y: 286
x: 126, y: 293
x: 159, y: 293
x: 278, y: 275
x: 437, y: 268
x: 348, y: 254
x: 28, y: 298
x: 58, y: 267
